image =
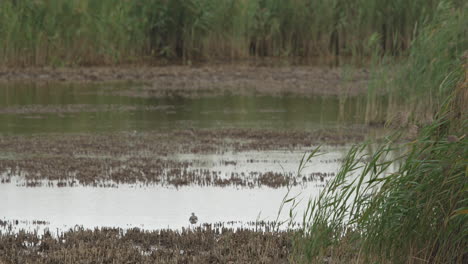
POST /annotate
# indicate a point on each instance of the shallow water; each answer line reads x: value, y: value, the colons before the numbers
x: 156, y: 207
x: 281, y: 161
x: 29, y: 109
x: 148, y: 207
x: 60, y: 108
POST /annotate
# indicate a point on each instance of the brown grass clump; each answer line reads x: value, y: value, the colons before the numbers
x: 200, y: 245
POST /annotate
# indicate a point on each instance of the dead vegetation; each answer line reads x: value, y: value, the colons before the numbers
x: 199, y: 245
x: 145, y: 158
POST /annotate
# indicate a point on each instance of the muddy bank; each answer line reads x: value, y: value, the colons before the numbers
x: 147, y: 158
x: 200, y: 245
x: 164, y: 142
x: 107, y: 173
x: 76, y: 108
x: 205, y: 80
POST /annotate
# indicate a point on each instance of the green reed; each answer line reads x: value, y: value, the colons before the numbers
x: 416, y: 213
x: 72, y: 32
x: 404, y: 203
x: 417, y: 85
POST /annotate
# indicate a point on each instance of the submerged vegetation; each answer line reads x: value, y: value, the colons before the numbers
x: 63, y: 32
x: 411, y: 208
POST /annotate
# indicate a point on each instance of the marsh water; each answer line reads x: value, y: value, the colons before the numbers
x: 64, y: 109
x: 67, y: 108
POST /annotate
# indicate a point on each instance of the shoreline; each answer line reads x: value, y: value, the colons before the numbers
x: 232, y: 78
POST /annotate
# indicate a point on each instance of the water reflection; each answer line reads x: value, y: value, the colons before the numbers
x: 149, y: 207
x: 167, y: 112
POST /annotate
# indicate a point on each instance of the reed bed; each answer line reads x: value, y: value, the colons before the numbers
x: 415, y: 212
x: 417, y: 86
x: 89, y: 32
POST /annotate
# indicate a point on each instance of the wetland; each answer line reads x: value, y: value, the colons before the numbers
x: 208, y: 131
x: 126, y: 161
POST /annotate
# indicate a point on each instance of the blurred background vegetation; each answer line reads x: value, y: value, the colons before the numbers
x: 103, y: 32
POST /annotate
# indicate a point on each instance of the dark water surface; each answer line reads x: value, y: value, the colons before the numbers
x: 30, y: 108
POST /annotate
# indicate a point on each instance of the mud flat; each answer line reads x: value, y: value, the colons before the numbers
x: 226, y: 157
x: 205, y: 80
x: 74, y: 108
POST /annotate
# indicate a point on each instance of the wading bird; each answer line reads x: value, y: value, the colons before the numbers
x: 193, y: 219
